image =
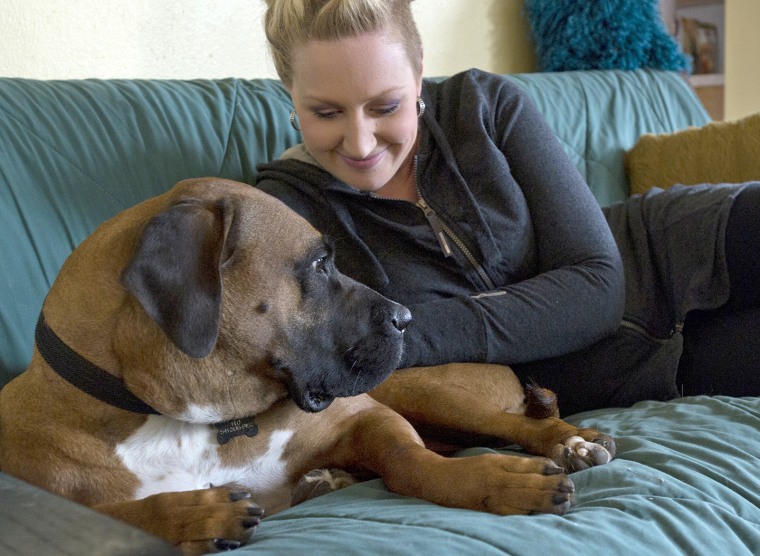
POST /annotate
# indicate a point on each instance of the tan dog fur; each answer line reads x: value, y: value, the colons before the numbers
x: 62, y: 439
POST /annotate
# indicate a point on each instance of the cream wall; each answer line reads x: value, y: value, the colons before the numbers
x: 742, y: 72
x: 49, y: 39
x: 60, y: 39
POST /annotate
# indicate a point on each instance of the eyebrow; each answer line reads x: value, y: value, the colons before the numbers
x: 308, y: 98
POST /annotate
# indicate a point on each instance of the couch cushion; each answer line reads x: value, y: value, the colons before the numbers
x: 77, y: 152
x: 720, y: 152
x: 598, y: 115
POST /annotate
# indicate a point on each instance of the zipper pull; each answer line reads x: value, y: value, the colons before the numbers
x: 437, y: 226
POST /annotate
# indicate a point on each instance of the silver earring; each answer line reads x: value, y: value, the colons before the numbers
x: 420, y: 107
x: 293, y: 120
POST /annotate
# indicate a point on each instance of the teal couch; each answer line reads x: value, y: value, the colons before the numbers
x: 73, y: 153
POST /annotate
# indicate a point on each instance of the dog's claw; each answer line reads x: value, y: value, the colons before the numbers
x: 224, y: 545
x: 566, y: 486
x: 255, y: 511
x: 240, y: 495
x: 564, y: 496
x: 577, y: 454
x: 251, y: 522
x: 608, y: 443
x: 551, y: 468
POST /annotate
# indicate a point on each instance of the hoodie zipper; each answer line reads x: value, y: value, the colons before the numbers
x: 442, y: 231
x: 439, y: 228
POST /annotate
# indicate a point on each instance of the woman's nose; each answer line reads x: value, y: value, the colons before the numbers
x: 359, y: 137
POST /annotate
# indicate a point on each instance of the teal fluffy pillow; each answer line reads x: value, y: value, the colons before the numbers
x: 602, y: 34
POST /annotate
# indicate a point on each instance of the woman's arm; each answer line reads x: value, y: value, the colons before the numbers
x: 577, y: 296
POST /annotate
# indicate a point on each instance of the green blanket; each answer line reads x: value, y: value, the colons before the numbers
x: 685, y: 482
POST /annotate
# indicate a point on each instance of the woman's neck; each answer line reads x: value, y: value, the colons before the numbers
x: 403, y: 185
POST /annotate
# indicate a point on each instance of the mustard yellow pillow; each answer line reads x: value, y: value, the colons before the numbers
x: 720, y: 152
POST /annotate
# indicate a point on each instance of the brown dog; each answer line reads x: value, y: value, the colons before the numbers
x: 200, y: 352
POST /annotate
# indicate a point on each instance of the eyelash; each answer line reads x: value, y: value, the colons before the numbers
x: 388, y: 111
x: 381, y: 112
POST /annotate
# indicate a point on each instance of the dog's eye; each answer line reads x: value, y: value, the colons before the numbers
x: 320, y: 265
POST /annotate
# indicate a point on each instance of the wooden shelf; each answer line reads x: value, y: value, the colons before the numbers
x: 709, y: 87
x: 691, y: 3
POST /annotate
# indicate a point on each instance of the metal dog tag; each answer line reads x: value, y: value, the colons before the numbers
x: 236, y: 427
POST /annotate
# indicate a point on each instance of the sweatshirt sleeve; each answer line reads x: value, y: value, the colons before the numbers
x: 577, y: 295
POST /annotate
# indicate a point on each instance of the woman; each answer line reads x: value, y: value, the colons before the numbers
x: 455, y: 199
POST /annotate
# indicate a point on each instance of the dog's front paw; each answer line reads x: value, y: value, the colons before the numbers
x: 202, y: 521
x: 318, y: 482
x: 577, y: 453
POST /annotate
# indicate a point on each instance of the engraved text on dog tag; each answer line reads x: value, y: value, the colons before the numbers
x: 230, y: 429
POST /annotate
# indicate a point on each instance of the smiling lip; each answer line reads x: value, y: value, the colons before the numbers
x: 363, y: 163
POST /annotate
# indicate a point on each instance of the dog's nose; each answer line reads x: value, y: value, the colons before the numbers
x: 401, y: 317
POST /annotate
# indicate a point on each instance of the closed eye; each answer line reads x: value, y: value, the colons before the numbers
x: 327, y: 115
x: 380, y: 111
x: 386, y: 110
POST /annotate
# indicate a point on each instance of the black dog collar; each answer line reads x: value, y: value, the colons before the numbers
x: 100, y: 384
x: 79, y: 372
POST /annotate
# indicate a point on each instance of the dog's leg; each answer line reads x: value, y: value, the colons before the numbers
x: 382, y: 441
x: 197, y: 521
x: 471, y: 400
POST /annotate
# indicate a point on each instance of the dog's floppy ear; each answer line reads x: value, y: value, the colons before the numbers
x: 175, y: 273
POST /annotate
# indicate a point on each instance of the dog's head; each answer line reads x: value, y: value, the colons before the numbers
x: 235, y: 301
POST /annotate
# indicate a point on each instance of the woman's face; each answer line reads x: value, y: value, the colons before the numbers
x: 356, y: 101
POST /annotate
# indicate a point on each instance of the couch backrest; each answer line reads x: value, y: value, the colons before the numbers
x: 74, y: 153
x: 598, y: 115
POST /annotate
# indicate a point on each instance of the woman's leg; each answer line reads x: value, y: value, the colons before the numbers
x: 722, y: 346
x: 743, y: 249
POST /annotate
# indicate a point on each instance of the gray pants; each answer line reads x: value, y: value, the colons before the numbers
x: 673, y: 245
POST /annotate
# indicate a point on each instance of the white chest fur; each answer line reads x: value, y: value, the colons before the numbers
x: 168, y: 455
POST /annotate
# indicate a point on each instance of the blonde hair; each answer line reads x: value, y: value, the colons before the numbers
x: 290, y: 23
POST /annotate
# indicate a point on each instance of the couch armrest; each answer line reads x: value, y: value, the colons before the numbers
x: 34, y: 521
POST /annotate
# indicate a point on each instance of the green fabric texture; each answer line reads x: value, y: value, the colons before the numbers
x: 684, y: 482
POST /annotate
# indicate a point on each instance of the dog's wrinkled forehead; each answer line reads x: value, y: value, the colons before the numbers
x: 265, y: 225
x: 257, y: 218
